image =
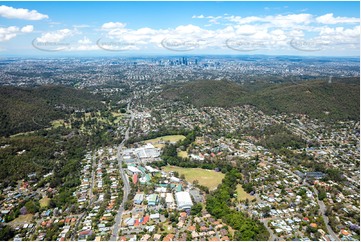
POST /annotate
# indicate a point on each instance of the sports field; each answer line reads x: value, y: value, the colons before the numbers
x: 208, y: 178
x: 167, y: 138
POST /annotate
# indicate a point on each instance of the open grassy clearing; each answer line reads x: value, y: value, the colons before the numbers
x: 167, y: 138
x: 167, y: 228
x: 44, y: 202
x: 118, y: 119
x: 59, y: 122
x: 183, y: 154
x: 208, y: 178
x: 21, y: 220
x: 242, y: 194
x: 21, y: 134
x: 116, y: 114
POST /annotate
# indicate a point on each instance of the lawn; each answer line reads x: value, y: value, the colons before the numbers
x: 59, y: 122
x: 44, y: 202
x: 21, y: 220
x: 167, y: 138
x: 183, y: 154
x: 208, y: 178
x: 167, y: 228
x: 116, y: 114
x: 118, y: 119
x: 242, y: 194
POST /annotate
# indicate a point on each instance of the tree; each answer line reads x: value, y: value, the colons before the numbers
x: 32, y: 207
x: 218, y: 205
x: 196, y: 209
x: 322, y: 195
x: 128, y: 205
x: 266, y: 211
x: 6, y: 233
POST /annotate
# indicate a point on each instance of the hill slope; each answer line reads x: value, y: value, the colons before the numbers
x: 206, y: 93
x: 318, y: 99
x: 26, y: 109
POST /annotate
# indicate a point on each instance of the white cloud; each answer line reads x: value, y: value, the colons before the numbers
x: 199, y: 16
x: 55, y: 36
x: 274, y: 20
x: 81, y: 26
x: 296, y: 33
x: 12, y: 31
x: 188, y: 29
x: 290, y: 20
x: 271, y: 32
x: 330, y: 19
x: 349, y: 32
x: 246, y: 29
x: 113, y: 25
x: 214, y: 20
x: 83, y: 47
x: 8, y: 33
x: 84, y: 41
x: 27, y: 29
x: 21, y: 13
x: 245, y: 20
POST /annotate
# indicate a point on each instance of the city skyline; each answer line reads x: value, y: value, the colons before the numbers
x: 179, y: 28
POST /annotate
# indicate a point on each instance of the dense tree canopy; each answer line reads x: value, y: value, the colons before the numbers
x: 219, y: 205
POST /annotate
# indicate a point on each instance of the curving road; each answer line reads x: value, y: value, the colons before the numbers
x: 325, y: 218
x: 125, y: 179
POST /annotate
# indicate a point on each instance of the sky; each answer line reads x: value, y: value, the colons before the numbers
x: 167, y: 28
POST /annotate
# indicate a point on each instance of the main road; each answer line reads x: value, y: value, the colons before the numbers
x: 125, y: 179
x: 325, y: 218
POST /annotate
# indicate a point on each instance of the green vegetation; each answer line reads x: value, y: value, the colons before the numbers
x: 318, y: 99
x: 322, y: 195
x: 167, y: 138
x: 183, y: 154
x: 196, y: 209
x: 208, y: 178
x: 219, y: 204
x: 242, y: 195
x: 275, y: 137
x: 21, y: 220
x: 6, y: 233
x: 27, y: 109
x: 32, y: 206
x: 32, y: 153
x: 206, y: 93
x: 170, y: 157
x: 44, y: 202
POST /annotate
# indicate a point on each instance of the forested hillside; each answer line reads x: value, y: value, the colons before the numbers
x: 27, y: 109
x: 338, y: 100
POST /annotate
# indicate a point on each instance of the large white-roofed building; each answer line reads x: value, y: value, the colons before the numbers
x: 184, y: 200
x: 133, y: 169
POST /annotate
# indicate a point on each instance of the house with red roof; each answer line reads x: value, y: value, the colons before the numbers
x: 136, y: 222
x: 135, y: 178
x: 145, y: 219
